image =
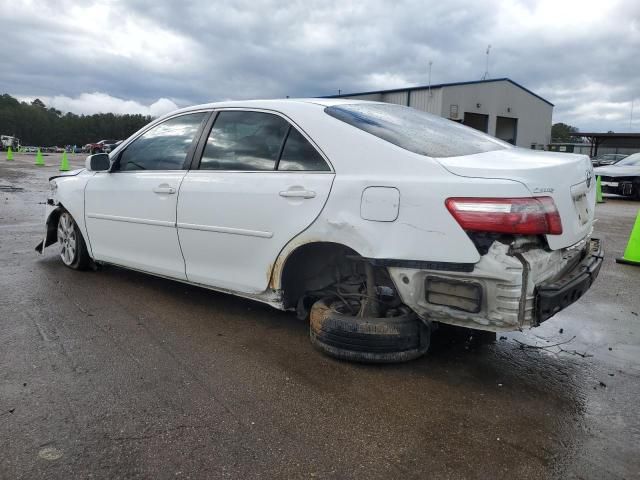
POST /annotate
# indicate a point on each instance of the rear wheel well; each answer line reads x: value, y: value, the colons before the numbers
x: 321, y: 269
x: 313, y: 267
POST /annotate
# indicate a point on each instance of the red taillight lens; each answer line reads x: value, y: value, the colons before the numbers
x: 523, y: 216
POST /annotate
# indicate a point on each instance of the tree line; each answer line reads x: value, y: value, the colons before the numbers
x: 38, y: 125
x: 563, y: 133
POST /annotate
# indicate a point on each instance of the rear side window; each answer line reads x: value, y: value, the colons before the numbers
x: 164, y: 147
x: 416, y: 131
x: 257, y: 141
x: 299, y: 154
x: 244, y: 141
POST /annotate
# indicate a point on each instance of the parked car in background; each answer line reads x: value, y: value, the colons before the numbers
x: 607, y: 159
x: 103, y: 146
x: 110, y: 145
x: 622, y: 178
x: 377, y: 221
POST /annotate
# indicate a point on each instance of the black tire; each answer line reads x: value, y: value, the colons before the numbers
x: 73, y: 250
x: 366, y: 339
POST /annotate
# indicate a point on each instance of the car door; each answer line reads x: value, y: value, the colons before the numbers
x: 259, y: 183
x: 131, y: 211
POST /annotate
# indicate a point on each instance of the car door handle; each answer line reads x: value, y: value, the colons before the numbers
x: 298, y: 193
x: 164, y: 188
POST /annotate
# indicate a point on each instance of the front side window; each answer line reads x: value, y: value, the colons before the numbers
x: 244, y: 141
x: 416, y: 131
x: 164, y: 147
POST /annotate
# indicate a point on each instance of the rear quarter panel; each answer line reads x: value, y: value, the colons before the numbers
x: 424, y: 228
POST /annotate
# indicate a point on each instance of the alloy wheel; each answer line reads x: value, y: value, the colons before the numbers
x: 67, y: 239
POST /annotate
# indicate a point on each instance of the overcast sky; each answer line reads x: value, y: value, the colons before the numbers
x: 150, y: 56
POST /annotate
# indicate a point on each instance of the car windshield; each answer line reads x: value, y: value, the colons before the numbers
x: 416, y: 131
x: 630, y: 160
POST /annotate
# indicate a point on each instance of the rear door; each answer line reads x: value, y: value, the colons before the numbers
x: 259, y: 183
x: 131, y: 211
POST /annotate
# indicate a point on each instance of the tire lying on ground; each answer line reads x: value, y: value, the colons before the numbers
x: 398, y: 338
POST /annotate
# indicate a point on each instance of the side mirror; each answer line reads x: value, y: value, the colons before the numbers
x: 98, y: 163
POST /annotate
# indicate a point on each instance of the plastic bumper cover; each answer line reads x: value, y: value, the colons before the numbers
x: 557, y: 294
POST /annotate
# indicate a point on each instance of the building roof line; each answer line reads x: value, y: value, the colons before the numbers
x: 440, y: 85
x: 606, y: 134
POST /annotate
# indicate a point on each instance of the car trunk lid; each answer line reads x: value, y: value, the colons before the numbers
x: 567, y: 178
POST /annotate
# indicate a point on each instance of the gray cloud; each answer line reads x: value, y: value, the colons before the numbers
x: 580, y: 55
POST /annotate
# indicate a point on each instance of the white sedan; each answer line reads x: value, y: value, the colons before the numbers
x: 376, y: 221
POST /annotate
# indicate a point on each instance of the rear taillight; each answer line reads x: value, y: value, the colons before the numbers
x: 523, y: 216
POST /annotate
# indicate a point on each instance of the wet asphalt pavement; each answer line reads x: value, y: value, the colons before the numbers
x: 115, y: 374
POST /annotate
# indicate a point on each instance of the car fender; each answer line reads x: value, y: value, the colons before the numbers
x: 68, y: 195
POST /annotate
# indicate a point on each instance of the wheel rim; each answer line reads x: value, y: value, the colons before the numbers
x: 67, y: 239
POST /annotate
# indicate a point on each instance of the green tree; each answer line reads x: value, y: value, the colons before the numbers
x: 563, y: 133
x: 35, y: 124
x: 38, y: 103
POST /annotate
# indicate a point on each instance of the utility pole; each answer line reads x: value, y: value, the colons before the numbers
x: 486, y: 69
x: 631, y: 116
x: 430, y: 63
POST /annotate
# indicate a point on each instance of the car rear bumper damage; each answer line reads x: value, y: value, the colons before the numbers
x: 507, y: 289
x: 555, y: 295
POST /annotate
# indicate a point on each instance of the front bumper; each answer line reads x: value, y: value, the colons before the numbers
x: 557, y: 294
x: 617, y: 186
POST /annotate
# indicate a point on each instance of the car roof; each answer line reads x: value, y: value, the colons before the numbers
x: 274, y: 104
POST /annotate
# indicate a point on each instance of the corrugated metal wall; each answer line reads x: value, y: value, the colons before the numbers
x: 399, y: 98
x: 374, y: 97
x: 422, y: 100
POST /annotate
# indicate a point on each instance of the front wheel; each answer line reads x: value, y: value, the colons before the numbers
x: 73, y: 250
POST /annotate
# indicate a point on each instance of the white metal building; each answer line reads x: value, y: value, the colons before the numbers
x: 499, y: 107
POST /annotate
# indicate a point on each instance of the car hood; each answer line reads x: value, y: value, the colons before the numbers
x: 618, y: 171
x: 71, y: 173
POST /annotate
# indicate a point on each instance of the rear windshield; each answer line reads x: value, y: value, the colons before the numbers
x: 416, y: 131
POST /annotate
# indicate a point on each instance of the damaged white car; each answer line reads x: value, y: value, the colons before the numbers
x: 376, y: 221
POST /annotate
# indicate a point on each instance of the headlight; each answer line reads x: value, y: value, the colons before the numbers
x: 53, y: 187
